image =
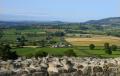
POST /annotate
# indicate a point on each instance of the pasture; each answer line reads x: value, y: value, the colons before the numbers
x: 81, y: 51
x: 84, y: 51
x: 51, y: 51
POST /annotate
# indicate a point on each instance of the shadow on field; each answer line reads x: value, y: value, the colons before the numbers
x: 115, y: 54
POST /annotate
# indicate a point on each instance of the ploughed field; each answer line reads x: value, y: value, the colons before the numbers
x: 98, y: 41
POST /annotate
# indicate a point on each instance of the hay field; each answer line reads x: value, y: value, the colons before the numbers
x: 98, y: 41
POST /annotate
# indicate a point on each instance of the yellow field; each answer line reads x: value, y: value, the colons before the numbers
x: 98, y: 41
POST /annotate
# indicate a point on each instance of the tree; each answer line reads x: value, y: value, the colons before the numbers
x: 107, y: 49
x: 42, y: 43
x: 91, y: 46
x: 6, y: 53
x: 59, y: 34
x: 106, y: 46
x: 18, y: 41
x: 70, y: 52
x: 1, y: 34
x: 113, y: 47
x: 21, y: 41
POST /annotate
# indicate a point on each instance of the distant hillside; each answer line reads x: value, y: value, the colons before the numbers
x: 29, y: 23
x: 106, y: 21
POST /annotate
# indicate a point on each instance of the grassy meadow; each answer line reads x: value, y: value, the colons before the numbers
x: 81, y: 51
x: 51, y: 51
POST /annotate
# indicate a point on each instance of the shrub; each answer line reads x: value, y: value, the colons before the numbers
x: 107, y: 49
x: 69, y: 53
x: 6, y: 53
x: 52, y: 42
x: 20, y: 41
x: 91, y: 46
x: 42, y: 43
x: 113, y: 47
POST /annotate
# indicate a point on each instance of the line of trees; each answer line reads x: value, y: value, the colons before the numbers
x: 108, y: 49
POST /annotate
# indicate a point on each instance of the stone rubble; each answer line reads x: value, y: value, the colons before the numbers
x: 64, y: 66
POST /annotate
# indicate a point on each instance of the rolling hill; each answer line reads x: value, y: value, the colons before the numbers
x: 106, y: 21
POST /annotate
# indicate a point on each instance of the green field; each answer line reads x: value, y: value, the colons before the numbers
x: 80, y: 51
x: 51, y: 51
x: 97, y: 52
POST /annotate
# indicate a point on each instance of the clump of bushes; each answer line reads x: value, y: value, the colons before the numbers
x: 92, y: 46
x: 70, y: 53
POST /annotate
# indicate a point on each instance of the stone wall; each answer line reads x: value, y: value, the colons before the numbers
x: 65, y: 66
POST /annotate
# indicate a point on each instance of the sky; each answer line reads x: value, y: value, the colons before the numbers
x: 58, y: 10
